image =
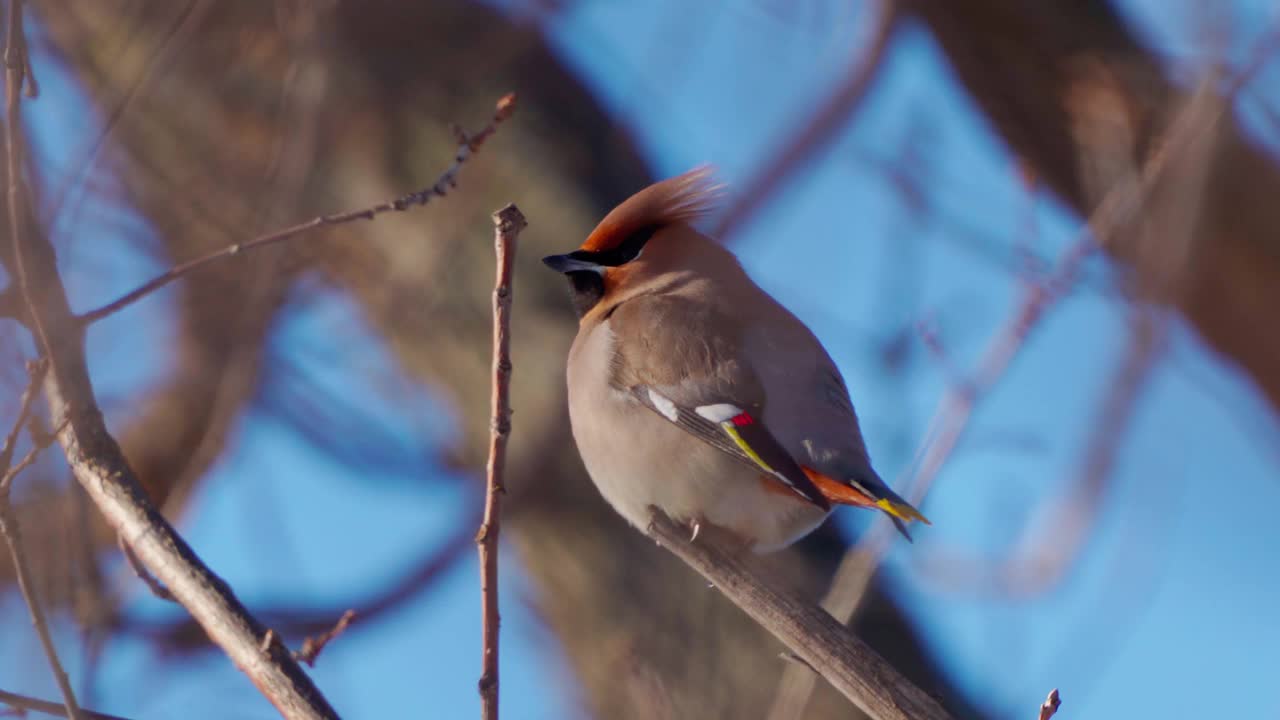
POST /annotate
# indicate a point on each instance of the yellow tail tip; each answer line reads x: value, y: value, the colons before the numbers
x: 902, y: 511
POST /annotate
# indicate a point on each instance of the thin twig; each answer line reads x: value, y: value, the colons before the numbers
x: 1050, y: 706
x: 35, y: 374
x: 468, y: 145
x: 16, y: 65
x: 827, y: 646
x: 12, y: 533
x: 829, y: 119
x: 313, y: 646
x: 508, y: 222
x: 1062, y: 534
x: 178, y: 35
x: 155, y: 586
x: 27, y: 704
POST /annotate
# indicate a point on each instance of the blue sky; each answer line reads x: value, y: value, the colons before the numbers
x: 1169, y: 611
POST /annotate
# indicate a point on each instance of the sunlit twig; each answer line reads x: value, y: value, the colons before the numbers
x: 508, y: 222
x: 468, y: 145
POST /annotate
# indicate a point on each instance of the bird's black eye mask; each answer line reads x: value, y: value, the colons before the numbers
x: 585, y: 268
x: 623, y: 253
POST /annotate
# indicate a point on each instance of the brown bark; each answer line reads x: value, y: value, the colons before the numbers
x: 811, y: 633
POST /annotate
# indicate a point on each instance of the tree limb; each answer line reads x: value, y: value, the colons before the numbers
x: 103, y: 471
x: 814, y: 636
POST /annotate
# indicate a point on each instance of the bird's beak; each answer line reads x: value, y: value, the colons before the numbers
x: 568, y: 263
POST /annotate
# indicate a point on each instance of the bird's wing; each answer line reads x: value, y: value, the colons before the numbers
x: 736, y: 432
x: 682, y: 360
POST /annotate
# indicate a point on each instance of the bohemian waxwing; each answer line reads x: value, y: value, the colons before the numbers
x: 693, y: 391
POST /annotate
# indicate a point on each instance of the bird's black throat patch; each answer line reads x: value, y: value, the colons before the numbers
x: 586, y: 287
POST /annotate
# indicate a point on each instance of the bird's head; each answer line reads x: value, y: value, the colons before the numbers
x: 605, y: 263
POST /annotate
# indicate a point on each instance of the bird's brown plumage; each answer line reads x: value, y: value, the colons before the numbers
x: 680, y: 331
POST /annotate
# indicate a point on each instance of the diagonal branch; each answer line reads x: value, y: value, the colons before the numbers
x: 314, y: 645
x: 293, y: 620
x: 1037, y: 70
x: 105, y: 474
x: 468, y: 145
x: 1124, y: 202
x: 825, y: 645
x: 99, y: 465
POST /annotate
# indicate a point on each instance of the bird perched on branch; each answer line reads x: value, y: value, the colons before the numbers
x: 693, y: 391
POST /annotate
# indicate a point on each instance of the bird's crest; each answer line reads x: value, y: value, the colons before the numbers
x: 681, y: 199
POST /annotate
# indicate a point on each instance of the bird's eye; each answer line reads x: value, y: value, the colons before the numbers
x: 630, y: 249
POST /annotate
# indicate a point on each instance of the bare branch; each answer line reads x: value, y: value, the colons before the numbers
x: 950, y: 421
x: 468, y: 145
x: 158, y: 590
x: 843, y: 597
x: 35, y: 371
x: 508, y: 222
x: 12, y: 533
x: 313, y: 646
x: 294, y: 620
x: 99, y: 465
x: 1050, y: 706
x: 1129, y: 206
x: 16, y: 65
x: 824, y: 644
x: 828, y: 120
x: 26, y: 704
x: 1027, y: 68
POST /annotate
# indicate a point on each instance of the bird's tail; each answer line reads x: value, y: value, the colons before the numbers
x: 869, y: 492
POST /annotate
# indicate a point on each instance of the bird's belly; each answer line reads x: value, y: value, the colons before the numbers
x: 638, y: 460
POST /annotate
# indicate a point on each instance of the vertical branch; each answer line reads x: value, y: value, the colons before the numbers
x: 508, y: 222
x: 15, y: 67
x: 13, y: 538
